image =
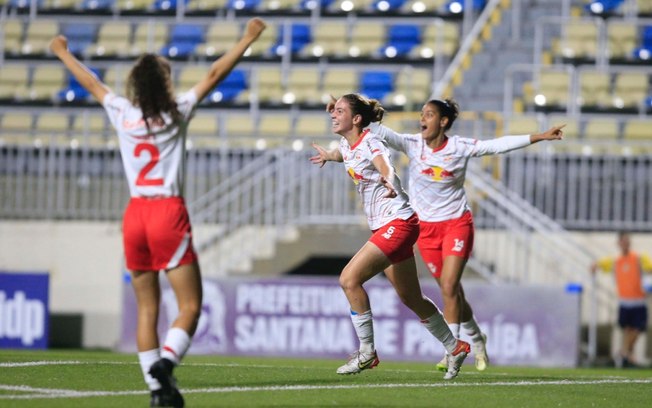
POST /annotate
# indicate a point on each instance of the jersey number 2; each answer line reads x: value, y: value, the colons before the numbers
x: 142, y: 179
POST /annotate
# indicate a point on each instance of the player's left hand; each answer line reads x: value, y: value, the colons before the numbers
x: 391, y: 191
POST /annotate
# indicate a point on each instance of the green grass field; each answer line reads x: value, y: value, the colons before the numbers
x: 105, y: 379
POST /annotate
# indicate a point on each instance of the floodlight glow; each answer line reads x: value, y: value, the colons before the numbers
x: 297, y: 145
x: 399, y: 100
x: 540, y: 100
x: 173, y: 51
x: 390, y: 52
x: 455, y: 7
x: 644, y: 54
x: 619, y: 102
x: 239, y: 5
x: 597, y: 7
x: 289, y: 98
x: 354, y: 51
x: 382, y: 5
x: 347, y: 5
x: 217, y: 96
x: 317, y: 50
x: 418, y: 7
x: 427, y: 52
x: 261, y: 144
x: 311, y: 5
x: 70, y: 96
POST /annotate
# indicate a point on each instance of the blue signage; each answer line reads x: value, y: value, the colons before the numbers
x: 24, y: 314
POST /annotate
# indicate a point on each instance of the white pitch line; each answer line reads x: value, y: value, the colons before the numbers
x: 47, y: 393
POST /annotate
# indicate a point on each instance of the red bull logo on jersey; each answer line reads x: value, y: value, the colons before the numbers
x: 437, y: 173
x: 357, y: 178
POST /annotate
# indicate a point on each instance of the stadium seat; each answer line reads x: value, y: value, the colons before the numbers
x: 339, y: 81
x: 521, y: 125
x: 603, y: 7
x: 644, y: 52
x: 595, y: 89
x: 423, y: 6
x: 579, y: 40
x: 299, y: 37
x: 133, y: 6
x: 438, y: 40
x: 367, y: 39
x: 401, y: 39
x: 149, y: 36
x: 275, y: 127
x: 303, y: 86
x: 387, y: 5
x: 622, y: 39
x: 167, y: 5
x: 12, y: 78
x: 554, y: 86
x: 278, y: 6
x: 630, y: 90
x: 248, y: 5
x: 80, y: 36
x: 97, y: 5
x: 204, y: 132
x: 329, y: 39
x: 60, y: 6
x: 46, y: 82
x: 52, y: 123
x: 183, y: 40
x: 339, y: 6
x: 313, y: 126
x: 12, y: 32
x: 16, y: 128
x: 220, y: 37
x: 266, y: 86
x: 73, y: 91
x: 113, y: 40
x: 376, y: 84
x: 38, y: 36
x: 315, y: 4
x: 604, y: 129
x: 88, y: 124
x: 206, y: 5
x: 230, y: 88
x: 413, y: 88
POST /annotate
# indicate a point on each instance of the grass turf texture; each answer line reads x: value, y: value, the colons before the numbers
x: 104, y: 379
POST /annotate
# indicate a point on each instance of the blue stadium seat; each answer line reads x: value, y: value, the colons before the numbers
x: 22, y: 4
x: 388, y: 5
x: 183, y: 41
x: 229, y: 88
x: 401, y: 38
x: 599, y: 7
x: 165, y: 5
x: 73, y: 92
x: 242, y: 4
x: 376, y: 84
x: 457, y: 6
x: 80, y: 36
x: 644, y: 52
x: 313, y: 4
x: 98, y: 5
x: 299, y: 37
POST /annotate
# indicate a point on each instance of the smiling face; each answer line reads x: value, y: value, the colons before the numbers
x: 432, y: 123
x: 342, y: 119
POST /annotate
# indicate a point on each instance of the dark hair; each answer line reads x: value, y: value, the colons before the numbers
x: 149, y: 86
x: 448, y: 108
x: 370, y: 109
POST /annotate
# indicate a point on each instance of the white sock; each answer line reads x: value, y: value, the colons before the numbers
x: 364, y: 328
x: 147, y: 358
x: 472, y: 330
x: 455, y: 329
x: 437, y: 326
x: 176, y: 344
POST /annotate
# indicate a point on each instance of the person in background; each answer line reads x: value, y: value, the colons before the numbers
x: 395, y: 228
x: 628, y: 269
x: 151, y: 124
x: 437, y: 170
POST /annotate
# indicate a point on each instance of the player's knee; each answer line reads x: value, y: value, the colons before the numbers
x: 450, y: 289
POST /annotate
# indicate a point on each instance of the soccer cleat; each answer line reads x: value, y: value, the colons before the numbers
x: 480, y: 354
x: 443, y: 364
x: 456, y: 358
x: 168, y: 395
x: 358, y: 362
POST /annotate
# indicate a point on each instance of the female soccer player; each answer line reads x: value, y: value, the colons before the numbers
x: 151, y: 124
x: 395, y: 228
x: 437, y: 166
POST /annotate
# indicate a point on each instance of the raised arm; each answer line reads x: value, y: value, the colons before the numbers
x: 85, y: 77
x: 554, y: 133
x: 223, y: 65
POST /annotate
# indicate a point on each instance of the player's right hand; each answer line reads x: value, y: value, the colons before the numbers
x: 59, y: 44
x: 255, y: 27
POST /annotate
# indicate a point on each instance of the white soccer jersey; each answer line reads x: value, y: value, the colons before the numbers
x: 437, y: 176
x: 154, y: 161
x: 358, y: 161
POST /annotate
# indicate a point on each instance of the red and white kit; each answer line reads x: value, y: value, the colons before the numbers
x: 392, y: 220
x: 437, y: 189
x: 156, y: 228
